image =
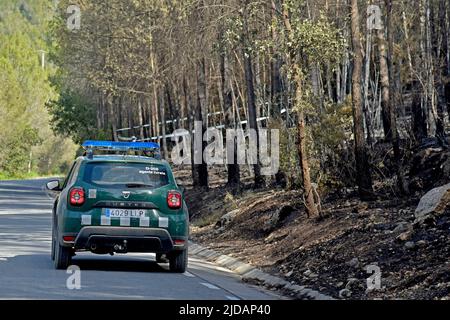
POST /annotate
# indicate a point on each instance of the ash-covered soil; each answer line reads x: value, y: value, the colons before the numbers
x: 269, y: 229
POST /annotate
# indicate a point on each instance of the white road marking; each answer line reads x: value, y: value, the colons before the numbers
x: 232, y: 298
x: 188, y: 274
x: 223, y: 270
x: 209, y: 285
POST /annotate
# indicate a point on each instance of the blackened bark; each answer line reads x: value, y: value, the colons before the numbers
x: 201, y: 115
x: 190, y: 114
x: 386, y: 106
x: 162, y: 112
x: 388, y: 95
x: 419, y: 123
x: 233, y: 169
x: 170, y: 106
x: 112, y: 116
x: 447, y: 96
x: 364, y: 178
x: 251, y: 105
x: 251, y: 96
x: 141, y: 118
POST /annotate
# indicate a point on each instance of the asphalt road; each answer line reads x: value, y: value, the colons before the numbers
x: 26, y: 270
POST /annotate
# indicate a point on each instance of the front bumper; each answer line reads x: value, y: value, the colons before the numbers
x: 108, y: 239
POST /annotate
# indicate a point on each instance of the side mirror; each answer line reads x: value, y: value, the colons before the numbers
x: 54, y: 185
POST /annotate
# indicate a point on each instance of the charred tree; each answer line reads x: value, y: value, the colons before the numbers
x: 364, y: 178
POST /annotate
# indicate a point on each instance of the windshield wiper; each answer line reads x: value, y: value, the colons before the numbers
x: 138, y: 185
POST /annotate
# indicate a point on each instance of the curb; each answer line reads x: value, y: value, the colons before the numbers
x: 248, y: 272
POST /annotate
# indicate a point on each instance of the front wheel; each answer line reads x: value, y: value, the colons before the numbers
x: 178, y: 261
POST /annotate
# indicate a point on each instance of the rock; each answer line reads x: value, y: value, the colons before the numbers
x: 308, y: 273
x: 402, y: 227
x: 281, y: 179
x: 422, y: 243
x: 278, y: 217
x: 405, y: 236
x: 434, y: 203
x: 369, y: 290
x: 430, y: 167
x: 361, y: 207
x: 352, y: 283
x: 369, y: 226
x: 273, y: 237
x: 226, y: 219
x: 290, y: 273
x: 353, y: 263
x: 345, y: 293
x: 410, y: 245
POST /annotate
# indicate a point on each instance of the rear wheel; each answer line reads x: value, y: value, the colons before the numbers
x: 53, y: 248
x: 63, y: 256
x: 178, y: 261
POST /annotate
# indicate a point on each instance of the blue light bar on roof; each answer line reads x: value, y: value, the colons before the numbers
x: 120, y: 146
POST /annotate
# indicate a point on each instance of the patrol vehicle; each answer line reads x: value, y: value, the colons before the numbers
x: 120, y: 197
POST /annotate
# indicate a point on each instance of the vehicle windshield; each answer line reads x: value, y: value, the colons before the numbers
x: 130, y: 175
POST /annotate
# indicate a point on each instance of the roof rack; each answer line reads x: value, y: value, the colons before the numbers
x: 145, y: 148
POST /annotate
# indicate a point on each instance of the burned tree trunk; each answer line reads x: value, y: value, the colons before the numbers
x: 387, y: 100
x: 201, y: 115
x: 112, y: 116
x: 227, y: 94
x: 251, y: 96
x: 364, y: 178
x: 386, y: 106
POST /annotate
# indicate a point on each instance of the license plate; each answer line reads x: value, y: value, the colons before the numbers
x: 125, y: 213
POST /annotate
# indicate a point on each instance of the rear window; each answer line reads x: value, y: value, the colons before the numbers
x: 126, y: 174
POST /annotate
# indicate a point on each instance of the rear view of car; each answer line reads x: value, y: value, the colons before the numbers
x: 120, y: 203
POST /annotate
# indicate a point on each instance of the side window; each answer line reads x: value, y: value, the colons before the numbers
x: 74, y: 175
x: 69, y: 175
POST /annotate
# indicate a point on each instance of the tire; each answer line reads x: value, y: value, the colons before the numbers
x: 53, y: 249
x: 178, y: 261
x: 63, y: 256
x: 53, y: 244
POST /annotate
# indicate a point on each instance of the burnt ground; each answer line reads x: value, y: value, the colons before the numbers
x: 330, y: 254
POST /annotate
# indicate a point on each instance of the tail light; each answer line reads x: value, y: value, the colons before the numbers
x: 77, y: 197
x: 174, y: 200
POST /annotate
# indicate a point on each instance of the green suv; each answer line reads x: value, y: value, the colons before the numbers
x: 120, y: 203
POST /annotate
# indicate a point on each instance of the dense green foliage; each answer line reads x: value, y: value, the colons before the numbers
x: 27, y: 143
x: 74, y: 117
